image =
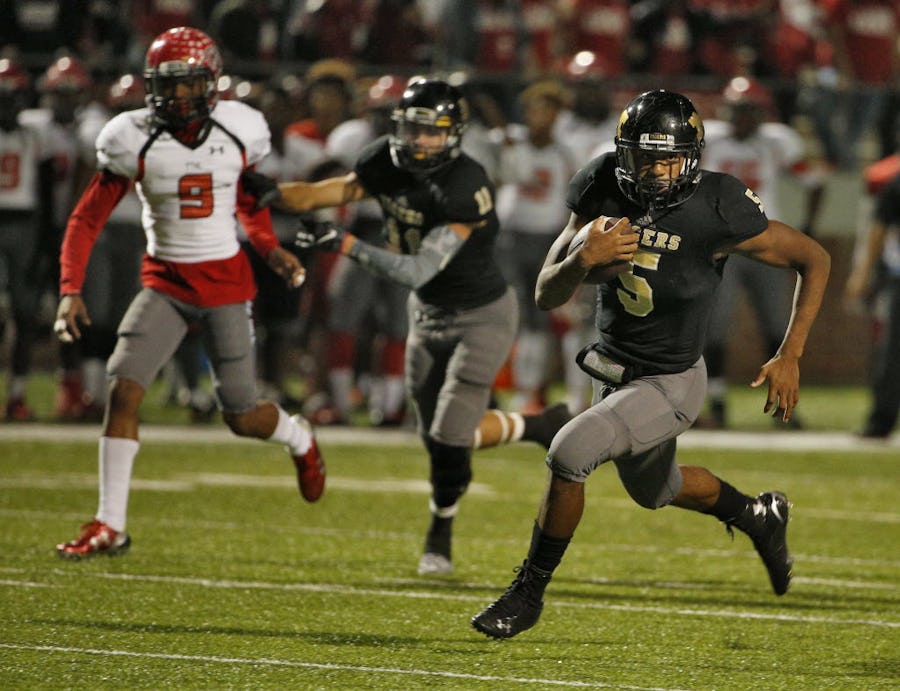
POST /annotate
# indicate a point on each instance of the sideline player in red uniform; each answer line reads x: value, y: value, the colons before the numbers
x: 185, y: 153
x: 656, y: 286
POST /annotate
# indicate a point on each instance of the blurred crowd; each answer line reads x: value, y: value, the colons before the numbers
x: 545, y: 81
x: 834, y: 60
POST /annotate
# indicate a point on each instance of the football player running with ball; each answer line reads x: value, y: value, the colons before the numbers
x: 657, y: 269
x: 185, y: 153
x: 441, y: 226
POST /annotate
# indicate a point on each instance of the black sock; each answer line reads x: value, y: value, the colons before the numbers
x: 730, y: 505
x: 546, y: 552
x: 439, y: 534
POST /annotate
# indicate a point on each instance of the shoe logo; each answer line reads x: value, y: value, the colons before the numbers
x: 775, y: 511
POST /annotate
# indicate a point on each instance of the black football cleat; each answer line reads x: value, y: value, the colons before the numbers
x: 518, y: 609
x: 765, y: 521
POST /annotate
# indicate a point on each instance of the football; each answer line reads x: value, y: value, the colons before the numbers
x: 578, y: 239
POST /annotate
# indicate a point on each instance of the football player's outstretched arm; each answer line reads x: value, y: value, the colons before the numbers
x: 306, y: 196
x: 783, y: 246
x: 604, y: 253
x: 438, y: 247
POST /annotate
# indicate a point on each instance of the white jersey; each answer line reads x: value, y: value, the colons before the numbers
x: 188, y: 195
x: 344, y: 144
x: 533, y: 184
x: 585, y: 140
x: 61, y: 144
x: 20, y: 157
x: 758, y: 161
x: 347, y: 139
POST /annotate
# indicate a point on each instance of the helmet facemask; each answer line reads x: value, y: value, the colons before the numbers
x: 424, y: 140
x: 186, y: 107
x: 634, y: 172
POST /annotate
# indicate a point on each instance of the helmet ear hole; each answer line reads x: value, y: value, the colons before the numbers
x: 658, y: 124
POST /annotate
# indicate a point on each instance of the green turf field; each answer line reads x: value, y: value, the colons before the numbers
x: 234, y: 582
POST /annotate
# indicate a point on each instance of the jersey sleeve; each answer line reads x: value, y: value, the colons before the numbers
x: 740, y: 208
x: 582, y: 194
x: 118, y: 146
x: 258, y: 138
x: 468, y: 195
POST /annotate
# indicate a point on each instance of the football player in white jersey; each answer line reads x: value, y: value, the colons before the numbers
x: 24, y: 171
x: 185, y: 153
x: 759, y: 152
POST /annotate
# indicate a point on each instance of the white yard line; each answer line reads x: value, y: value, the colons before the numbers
x: 339, y: 589
x: 756, y: 441
x: 269, y: 662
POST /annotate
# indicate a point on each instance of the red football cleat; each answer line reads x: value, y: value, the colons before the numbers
x: 310, y: 466
x: 96, y: 538
x: 18, y: 411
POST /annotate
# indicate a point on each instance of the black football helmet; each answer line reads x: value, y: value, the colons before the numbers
x: 654, y: 124
x: 429, y: 105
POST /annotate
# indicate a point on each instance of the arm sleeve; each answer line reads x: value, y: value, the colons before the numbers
x: 257, y: 222
x: 87, y: 220
x: 411, y: 270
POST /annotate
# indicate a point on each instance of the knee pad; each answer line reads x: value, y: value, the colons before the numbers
x: 451, y: 472
x: 653, y: 478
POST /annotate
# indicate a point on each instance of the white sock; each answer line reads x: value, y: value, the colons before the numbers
x: 293, y: 435
x: 15, y: 386
x: 717, y: 388
x: 518, y: 427
x: 116, y: 460
x: 394, y: 395
x: 340, y: 381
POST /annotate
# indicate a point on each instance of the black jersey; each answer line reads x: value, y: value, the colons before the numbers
x: 655, y: 314
x: 412, y: 206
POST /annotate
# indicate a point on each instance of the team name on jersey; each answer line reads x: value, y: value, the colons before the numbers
x: 398, y: 207
x: 660, y: 240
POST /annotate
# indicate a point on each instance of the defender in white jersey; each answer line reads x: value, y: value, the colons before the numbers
x: 759, y: 152
x: 185, y: 154
x: 24, y: 172
x: 535, y: 169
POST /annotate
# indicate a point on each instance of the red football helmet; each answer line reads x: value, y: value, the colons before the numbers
x: 13, y: 79
x: 126, y: 93
x: 14, y: 84
x: 187, y: 57
x: 748, y: 93
x: 386, y: 91
x: 67, y: 75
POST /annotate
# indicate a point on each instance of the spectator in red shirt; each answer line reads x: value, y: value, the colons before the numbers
x: 862, y: 36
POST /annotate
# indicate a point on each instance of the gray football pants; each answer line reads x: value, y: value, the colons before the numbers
x: 635, y: 427
x: 452, y: 359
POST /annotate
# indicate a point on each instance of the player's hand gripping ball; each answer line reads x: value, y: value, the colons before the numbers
x: 612, y: 247
x: 578, y: 239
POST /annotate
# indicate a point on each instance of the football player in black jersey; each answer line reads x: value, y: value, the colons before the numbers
x: 657, y: 269
x: 441, y: 226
